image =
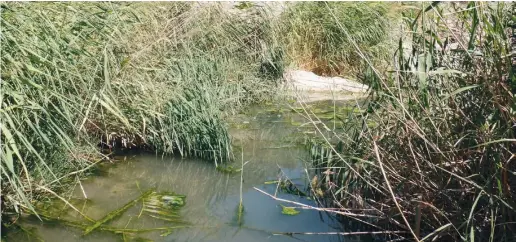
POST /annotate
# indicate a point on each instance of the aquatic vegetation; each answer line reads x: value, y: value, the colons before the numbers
x: 167, y: 230
x: 84, y: 225
x: 241, y: 125
x: 173, y: 200
x: 289, y: 210
x: 240, y: 208
x: 159, y: 205
x: 164, y: 206
x: 228, y: 169
x: 128, y: 238
x: 57, y: 207
x: 287, y: 186
x: 31, y: 233
x: 116, y: 213
x: 239, y: 214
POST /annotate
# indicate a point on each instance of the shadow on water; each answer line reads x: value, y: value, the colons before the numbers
x: 271, y: 146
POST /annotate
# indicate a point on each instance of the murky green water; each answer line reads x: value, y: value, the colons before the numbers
x: 212, y: 197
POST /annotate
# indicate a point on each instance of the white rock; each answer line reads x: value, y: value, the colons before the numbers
x: 312, y: 87
x: 308, y: 81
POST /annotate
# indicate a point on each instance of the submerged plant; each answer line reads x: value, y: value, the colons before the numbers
x: 228, y: 169
x: 110, y: 216
x: 163, y: 206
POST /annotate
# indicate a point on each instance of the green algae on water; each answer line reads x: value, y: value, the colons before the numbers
x: 228, y: 169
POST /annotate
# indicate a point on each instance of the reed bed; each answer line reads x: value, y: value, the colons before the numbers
x: 314, y: 40
x: 159, y: 76
x: 439, y: 161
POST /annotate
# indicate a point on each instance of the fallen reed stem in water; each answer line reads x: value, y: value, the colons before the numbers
x: 326, y: 233
x: 331, y: 210
x: 117, y: 212
x: 143, y: 230
x: 340, y: 233
x: 83, y: 226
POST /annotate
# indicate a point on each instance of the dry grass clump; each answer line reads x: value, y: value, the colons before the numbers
x: 315, y: 41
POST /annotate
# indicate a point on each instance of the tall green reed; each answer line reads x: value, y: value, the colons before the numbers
x: 164, y: 74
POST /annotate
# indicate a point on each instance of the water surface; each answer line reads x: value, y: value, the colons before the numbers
x: 270, y: 145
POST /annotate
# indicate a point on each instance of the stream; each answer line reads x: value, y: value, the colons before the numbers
x: 272, y: 149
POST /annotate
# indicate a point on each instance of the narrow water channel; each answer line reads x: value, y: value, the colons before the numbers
x: 269, y: 145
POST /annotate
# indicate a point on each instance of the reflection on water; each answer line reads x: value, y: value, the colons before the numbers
x: 211, y: 196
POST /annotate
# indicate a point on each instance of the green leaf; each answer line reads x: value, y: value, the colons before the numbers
x: 8, y: 159
x: 444, y: 72
x: 474, y: 206
x: 116, y: 112
x: 462, y: 89
x: 435, y: 232
x: 289, y: 211
x: 106, y: 73
x: 421, y: 70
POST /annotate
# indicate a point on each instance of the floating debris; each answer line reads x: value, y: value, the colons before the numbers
x: 164, y: 206
x: 115, y: 213
x: 228, y: 169
x: 289, y: 210
x: 288, y: 187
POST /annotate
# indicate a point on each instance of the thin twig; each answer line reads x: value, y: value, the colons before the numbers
x: 76, y: 172
x: 314, y: 208
x: 82, y: 188
x: 340, y: 233
x: 392, y: 192
x: 67, y: 203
